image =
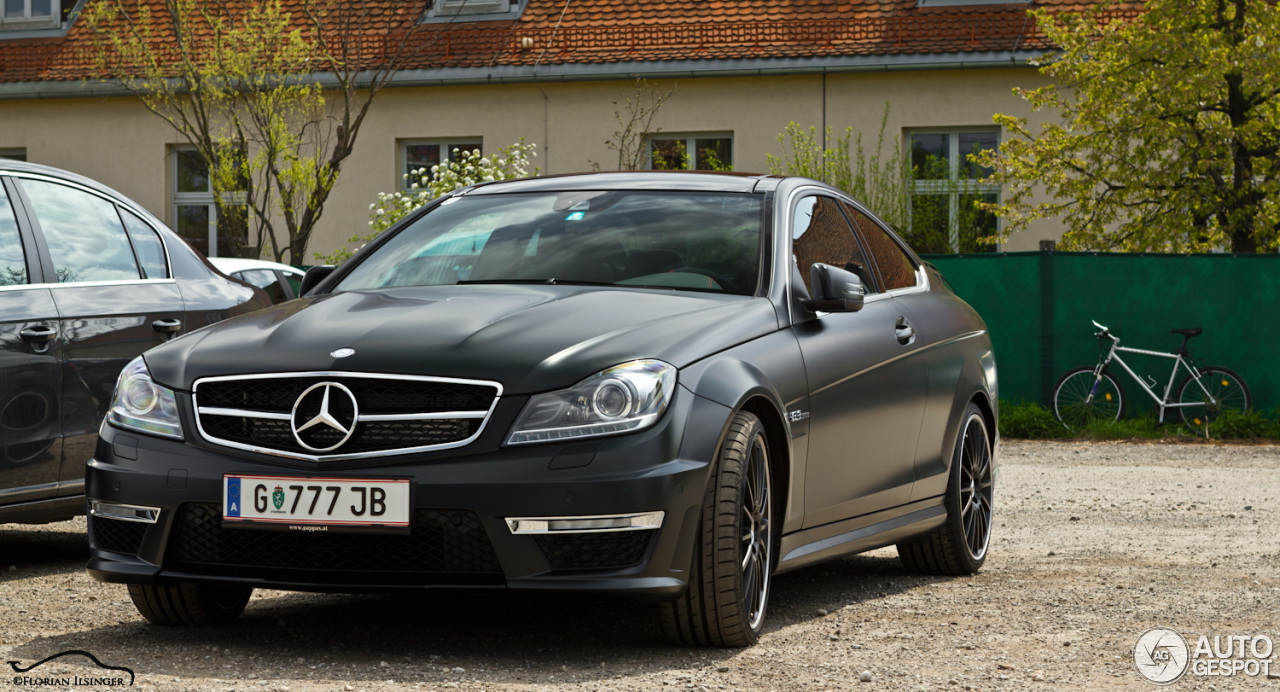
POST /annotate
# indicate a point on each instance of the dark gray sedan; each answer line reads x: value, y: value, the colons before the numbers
x: 669, y: 386
x: 88, y: 281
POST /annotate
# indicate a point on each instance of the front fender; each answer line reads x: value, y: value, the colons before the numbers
x: 769, y: 374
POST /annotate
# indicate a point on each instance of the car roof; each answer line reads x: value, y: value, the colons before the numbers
x: 703, y: 181
x: 9, y: 165
x: 228, y: 265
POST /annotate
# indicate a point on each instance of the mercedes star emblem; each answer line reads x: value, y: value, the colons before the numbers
x: 343, y: 353
x: 324, y: 417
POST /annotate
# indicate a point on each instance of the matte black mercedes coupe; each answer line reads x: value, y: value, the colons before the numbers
x: 664, y: 385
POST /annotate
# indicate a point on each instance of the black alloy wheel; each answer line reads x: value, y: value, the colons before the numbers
x: 728, y: 590
x: 959, y: 546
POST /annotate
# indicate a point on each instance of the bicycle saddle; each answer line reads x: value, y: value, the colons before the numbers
x: 1195, y: 331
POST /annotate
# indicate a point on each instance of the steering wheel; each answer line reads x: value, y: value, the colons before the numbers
x: 724, y: 281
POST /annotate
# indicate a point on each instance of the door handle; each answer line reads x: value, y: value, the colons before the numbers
x: 39, y: 334
x: 904, y: 331
x: 167, y: 327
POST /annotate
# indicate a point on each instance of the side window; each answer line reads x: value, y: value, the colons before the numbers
x: 13, y: 266
x: 148, y: 245
x: 86, y: 240
x: 896, y: 269
x: 820, y: 234
x: 267, y: 281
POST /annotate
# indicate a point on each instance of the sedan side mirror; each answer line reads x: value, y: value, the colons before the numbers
x: 313, y: 277
x: 835, y: 290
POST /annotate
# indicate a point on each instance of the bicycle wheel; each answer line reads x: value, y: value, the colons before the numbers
x: 1073, y: 406
x: 1220, y: 390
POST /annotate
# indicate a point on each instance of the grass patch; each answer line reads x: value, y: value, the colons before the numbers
x: 1031, y: 421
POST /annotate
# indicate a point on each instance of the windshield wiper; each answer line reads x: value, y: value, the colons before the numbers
x: 539, y: 282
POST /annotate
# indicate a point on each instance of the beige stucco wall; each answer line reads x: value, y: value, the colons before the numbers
x: 116, y: 141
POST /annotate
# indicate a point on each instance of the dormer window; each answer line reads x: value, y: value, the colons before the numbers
x: 472, y: 10
x: 30, y: 14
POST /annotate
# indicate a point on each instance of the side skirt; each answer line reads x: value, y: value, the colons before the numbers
x: 43, y: 511
x: 860, y: 534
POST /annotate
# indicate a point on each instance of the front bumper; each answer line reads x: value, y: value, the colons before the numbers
x: 662, y: 469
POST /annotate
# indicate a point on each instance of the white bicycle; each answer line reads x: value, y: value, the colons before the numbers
x: 1088, y: 394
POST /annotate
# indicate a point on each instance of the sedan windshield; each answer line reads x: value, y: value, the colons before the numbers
x: 681, y: 240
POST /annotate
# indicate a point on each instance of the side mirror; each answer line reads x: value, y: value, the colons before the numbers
x: 835, y: 290
x: 313, y: 277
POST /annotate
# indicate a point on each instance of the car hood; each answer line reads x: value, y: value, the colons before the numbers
x: 529, y: 338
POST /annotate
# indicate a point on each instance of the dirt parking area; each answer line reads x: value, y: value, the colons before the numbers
x: 1094, y: 543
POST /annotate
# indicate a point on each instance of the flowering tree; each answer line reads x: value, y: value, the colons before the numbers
x: 465, y: 168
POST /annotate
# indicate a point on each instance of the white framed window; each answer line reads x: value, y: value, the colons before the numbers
x: 194, y: 213
x: 30, y: 14
x: 946, y: 186
x: 416, y: 154
x: 691, y: 151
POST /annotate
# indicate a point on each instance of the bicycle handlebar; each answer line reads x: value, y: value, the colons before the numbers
x: 1105, y: 332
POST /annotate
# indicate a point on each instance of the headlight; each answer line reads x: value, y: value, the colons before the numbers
x: 142, y: 405
x: 624, y: 398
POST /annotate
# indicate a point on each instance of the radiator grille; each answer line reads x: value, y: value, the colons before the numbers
x: 439, y: 540
x: 268, y: 413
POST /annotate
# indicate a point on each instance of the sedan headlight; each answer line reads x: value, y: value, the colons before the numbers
x: 624, y: 398
x: 141, y: 405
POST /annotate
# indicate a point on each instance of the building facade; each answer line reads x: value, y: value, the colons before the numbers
x: 741, y: 72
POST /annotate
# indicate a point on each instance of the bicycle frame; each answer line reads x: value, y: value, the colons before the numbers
x: 1162, y: 403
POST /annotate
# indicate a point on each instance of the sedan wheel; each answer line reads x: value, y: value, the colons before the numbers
x: 729, y: 583
x: 960, y: 545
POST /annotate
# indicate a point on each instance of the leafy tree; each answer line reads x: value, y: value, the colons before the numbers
x: 882, y: 183
x: 241, y: 81
x: 631, y: 140
x: 1169, y: 131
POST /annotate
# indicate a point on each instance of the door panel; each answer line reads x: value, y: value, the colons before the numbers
x: 104, y: 328
x: 30, y: 389
x: 867, y: 394
x: 866, y: 390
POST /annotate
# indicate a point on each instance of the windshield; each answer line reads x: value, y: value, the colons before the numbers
x: 679, y: 240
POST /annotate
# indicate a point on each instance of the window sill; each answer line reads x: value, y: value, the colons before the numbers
x: 27, y: 23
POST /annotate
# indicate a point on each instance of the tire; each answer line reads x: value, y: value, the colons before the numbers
x: 1225, y: 386
x: 1069, y: 396
x: 960, y: 545
x: 728, y: 591
x: 189, y: 603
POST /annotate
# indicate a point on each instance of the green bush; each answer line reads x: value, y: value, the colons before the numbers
x: 1250, y: 424
x: 1032, y: 421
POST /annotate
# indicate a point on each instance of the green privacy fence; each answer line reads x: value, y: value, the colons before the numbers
x: 1038, y: 307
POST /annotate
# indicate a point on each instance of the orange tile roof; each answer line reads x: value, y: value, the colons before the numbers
x: 609, y: 31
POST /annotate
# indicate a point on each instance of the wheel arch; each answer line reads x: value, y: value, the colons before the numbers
x: 740, y: 386
x: 778, y: 437
x: 988, y: 413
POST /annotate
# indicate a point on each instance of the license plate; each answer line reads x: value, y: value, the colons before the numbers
x: 315, y: 504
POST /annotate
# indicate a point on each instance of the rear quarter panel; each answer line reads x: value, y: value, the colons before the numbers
x: 961, y: 364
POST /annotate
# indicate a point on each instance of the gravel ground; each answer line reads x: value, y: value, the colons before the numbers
x: 1094, y: 543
